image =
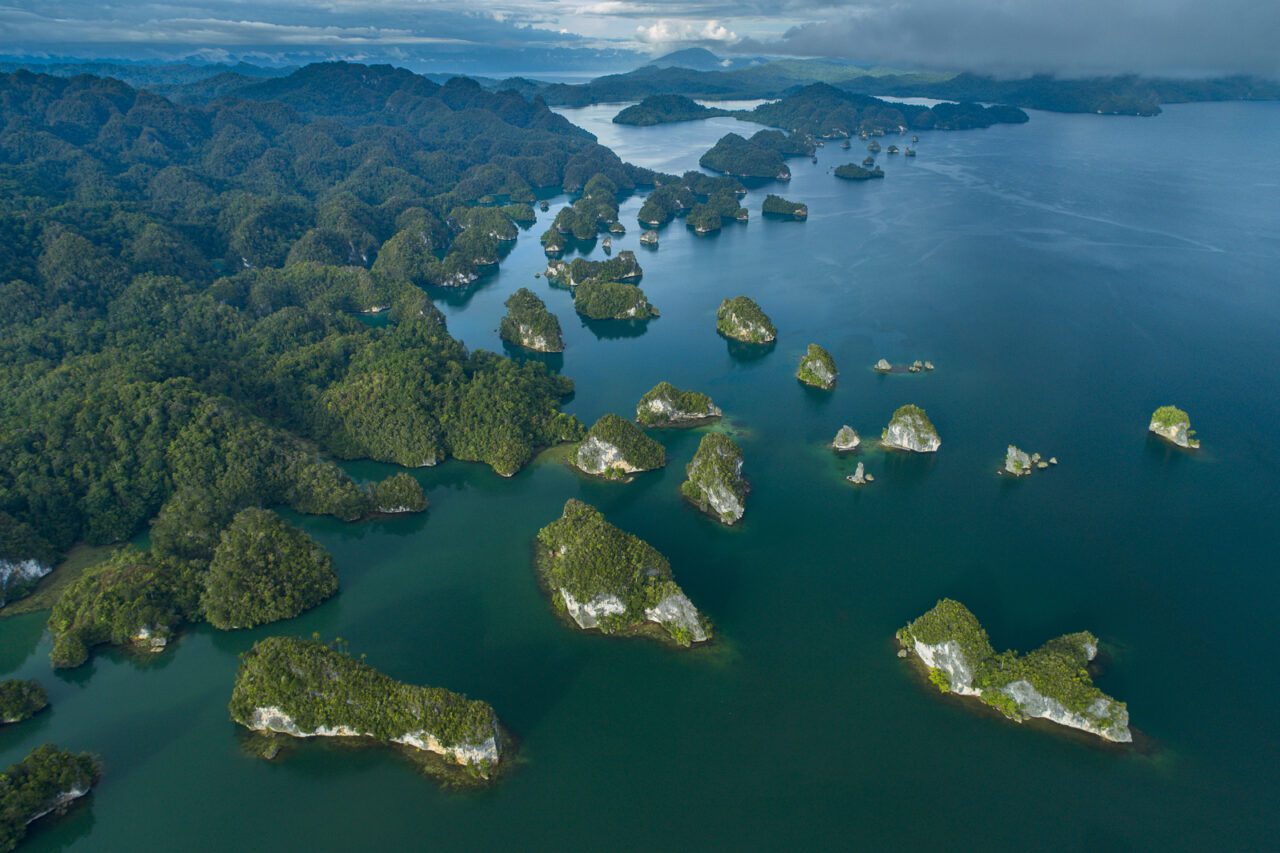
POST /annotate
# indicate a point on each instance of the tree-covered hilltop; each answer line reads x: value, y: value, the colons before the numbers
x: 595, y: 210
x: 529, y: 324
x: 597, y: 299
x: 665, y: 405
x: 825, y: 111
x: 681, y: 195
x: 135, y: 596
x: 666, y: 109
x: 776, y: 205
x: 615, y: 447
x: 714, y: 481
x: 707, y: 216
x: 742, y: 319
x: 45, y: 782
x: 20, y: 700
x: 1052, y: 682
x: 305, y: 688
x: 743, y: 158
x: 1173, y: 424
x: 264, y: 570
x: 817, y: 368
x: 854, y: 172
x: 622, y: 267
x: 397, y: 494
x: 605, y: 578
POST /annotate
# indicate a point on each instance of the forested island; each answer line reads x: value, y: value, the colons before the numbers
x: 745, y: 158
x: 46, y: 782
x: 665, y: 405
x: 1051, y: 682
x: 854, y: 172
x: 605, y: 579
x: 666, y: 109
x: 616, y: 448
x: 741, y: 319
x: 817, y: 368
x: 714, y: 481
x: 529, y: 324
x: 776, y: 205
x: 304, y: 688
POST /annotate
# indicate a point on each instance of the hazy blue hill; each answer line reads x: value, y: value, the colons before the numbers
x: 694, y: 58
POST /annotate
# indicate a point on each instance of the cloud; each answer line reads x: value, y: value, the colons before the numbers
x: 666, y: 32
x: 1022, y: 36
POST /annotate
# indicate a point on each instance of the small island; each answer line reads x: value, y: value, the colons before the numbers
x: 46, y: 782
x: 846, y: 440
x: 854, y: 172
x: 1018, y: 463
x: 624, y: 268
x: 739, y: 157
x: 911, y: 429
x: 665, y: 405
x: 265, y: 570
x: 605, y: 579
x: 615, y: 448
x: 714, y: 481
x: 649, y: 238
x: 397, y: 495
x: 666, y: 109
x: 707, y: 217
x: 741, y: 319
x: 1051, y: 682
x: 776, y: 205
x: 597, y: 299
x: 1174, y: 425
x: 304, y: 688
x: 529, y: 324
x: 21, y: 700
x: 817, y: 368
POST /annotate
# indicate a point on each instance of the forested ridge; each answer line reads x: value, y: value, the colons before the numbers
x: 180, y: 284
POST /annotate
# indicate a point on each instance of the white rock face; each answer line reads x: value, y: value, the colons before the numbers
x: 588, y: 614
x: 1017, y: 462
x: 911, y: 432
x: 665, y: 410
x: 272, y: 719
x: 1177, y: 433
x: 461, y: 279
x: 18, y: 572
x: 529, y: 339
x: 846, y: 439
x: 598, y: 457
x: 150, y: 639
x: 859, y: 477
x: 676, y: 609
x: 58, y: 802
x: 821, y: 372
x: 1032, y: 703
x: 883, y: 366
x: 949, y: 658
x: 746, y: 330
x: 649, y: 238
x: 724, y: 502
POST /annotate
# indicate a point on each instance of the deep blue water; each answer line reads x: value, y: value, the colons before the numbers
x: 1067, y: 277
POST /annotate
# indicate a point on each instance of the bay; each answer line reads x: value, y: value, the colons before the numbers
x: 1067, y: 277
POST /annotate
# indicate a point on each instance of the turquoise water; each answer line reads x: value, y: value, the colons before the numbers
x: 1066, y: 277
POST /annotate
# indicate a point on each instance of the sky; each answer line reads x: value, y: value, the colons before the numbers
x: 1006, y: 37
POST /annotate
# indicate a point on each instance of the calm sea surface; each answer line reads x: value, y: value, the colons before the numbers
x: 1067, y: 277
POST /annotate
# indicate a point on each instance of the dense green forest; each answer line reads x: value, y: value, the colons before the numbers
x: 180, y: 302
x: 46, y: 780
x: 737, y: 156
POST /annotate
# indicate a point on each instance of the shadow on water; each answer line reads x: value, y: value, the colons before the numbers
x: 744, y: 352
x: 553, y: 361
x: 22, y: 635
x: 616, y: 329
x: 60, y: 832
x: 816, y: 398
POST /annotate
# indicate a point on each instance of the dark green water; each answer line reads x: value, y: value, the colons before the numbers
x: 1067, y: 277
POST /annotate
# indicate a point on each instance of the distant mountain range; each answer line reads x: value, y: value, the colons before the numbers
x: 700, y: 73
